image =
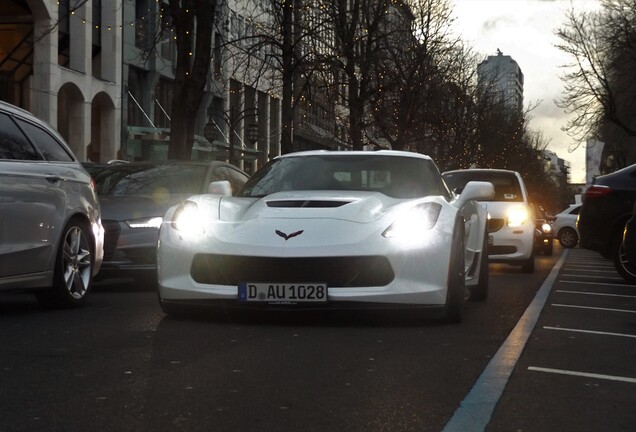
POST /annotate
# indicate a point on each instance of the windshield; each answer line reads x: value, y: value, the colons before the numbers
x: 147, y: 180
x: 506, y: 185
x: 397, y: 177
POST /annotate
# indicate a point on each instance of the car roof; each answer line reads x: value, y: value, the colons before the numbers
x: 340, y: 153
x: 23, y: 113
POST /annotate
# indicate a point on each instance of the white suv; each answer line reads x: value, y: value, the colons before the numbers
x: 565, y: 226
x: 511, y: 224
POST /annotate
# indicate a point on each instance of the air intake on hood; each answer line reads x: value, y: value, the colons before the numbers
x: 306, y: 203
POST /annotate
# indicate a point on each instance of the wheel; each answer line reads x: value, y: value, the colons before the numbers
x: 456, y: 292
x: 73, y: 271
x: 626, y: 269
x: 480, y: 292
x: 568, y: 238
x: 528, y: 265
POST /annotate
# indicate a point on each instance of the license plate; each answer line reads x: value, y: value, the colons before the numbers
x: 282, y: 293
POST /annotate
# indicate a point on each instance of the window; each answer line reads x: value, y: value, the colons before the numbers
x: 50, y: 148
x: 13, y: 143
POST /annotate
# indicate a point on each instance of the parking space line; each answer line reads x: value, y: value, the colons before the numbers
x: 594, y: 308
x: 590, y: 332
x: 591, y: 270
x: 590, y: 276
x: 583, y: 374
x: 476, y: 409
x: 595, y: 283
x: 595, y: 294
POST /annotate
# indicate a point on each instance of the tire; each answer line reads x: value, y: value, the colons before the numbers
x: 456, y: 290
x: 73, y: 272
x: 528, y: 265
x: 626, y: 269
x: 480, y: 292
x: 568, y: 238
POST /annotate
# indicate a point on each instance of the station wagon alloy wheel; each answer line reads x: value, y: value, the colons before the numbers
x: 73, y: 269
x: 76, y: 262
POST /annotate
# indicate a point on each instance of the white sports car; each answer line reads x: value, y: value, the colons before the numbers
x: 329, y: 229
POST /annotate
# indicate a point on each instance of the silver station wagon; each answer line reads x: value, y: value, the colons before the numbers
x: 51, y: 236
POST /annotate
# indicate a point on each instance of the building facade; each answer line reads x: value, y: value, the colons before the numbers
x: 64, y: 65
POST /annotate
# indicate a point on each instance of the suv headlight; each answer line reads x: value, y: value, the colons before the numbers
x: 517, y: 216
x: 152, y: 222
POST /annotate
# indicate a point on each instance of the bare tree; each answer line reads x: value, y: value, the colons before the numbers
x: 193, y: 26
x: 599, y: 84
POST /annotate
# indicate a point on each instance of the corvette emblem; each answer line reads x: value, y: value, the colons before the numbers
x: 288, y: 236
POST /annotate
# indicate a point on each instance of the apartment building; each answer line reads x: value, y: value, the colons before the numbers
x: 502, y: 77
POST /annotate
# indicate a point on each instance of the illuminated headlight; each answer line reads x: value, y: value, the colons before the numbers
x: 153, y: 222
x: 188, y: 219
x: 547, y: 228
x: 517, y: 216
x: 416, y: 221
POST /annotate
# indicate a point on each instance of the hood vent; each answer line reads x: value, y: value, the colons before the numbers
x: 306, y: 203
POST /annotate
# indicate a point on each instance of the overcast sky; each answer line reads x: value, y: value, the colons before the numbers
x: 524, y: 30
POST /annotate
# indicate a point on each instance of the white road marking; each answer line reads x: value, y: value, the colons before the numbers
x: 590, y: 332
x: 584, y: 374
x: 594, y: 283
x: 590, y: 276
x: 476, y: 409
x: 595, y: 294
x: 594, y: 308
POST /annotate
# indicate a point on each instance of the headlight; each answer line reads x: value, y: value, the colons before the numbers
x: 415, y: 221
x: 153, y: 222
x: 188, y: 219
x: 547, y: 228
x: 517, y: 216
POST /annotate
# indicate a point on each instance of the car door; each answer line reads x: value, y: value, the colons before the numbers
x: 32, y: 204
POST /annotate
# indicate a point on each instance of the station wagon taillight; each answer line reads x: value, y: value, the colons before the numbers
x: 597, y: 191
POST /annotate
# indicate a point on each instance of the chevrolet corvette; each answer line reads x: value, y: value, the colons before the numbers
x: 329, y: 229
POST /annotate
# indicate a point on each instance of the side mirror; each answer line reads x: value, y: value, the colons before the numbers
x: 476, y: 190
x: 220, y: 187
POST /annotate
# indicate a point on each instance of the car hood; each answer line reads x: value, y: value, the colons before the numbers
x: 135, y: 207
x: 360, y: 207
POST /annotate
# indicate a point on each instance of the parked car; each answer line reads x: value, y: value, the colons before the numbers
x: 51, y: 237
x: 134, y: 197
x: 607, y: 205
x: 510, y: 224
x: 544, y: 233
x: 565, y: 226
x: 320, y: 229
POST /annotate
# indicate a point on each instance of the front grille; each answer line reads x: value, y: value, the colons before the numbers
x: 111, y: 236
x: 495, y: 225
x: 501, y: 250
x: 359, y: 271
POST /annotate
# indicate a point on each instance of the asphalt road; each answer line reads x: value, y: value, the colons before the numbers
x: 119, y: 364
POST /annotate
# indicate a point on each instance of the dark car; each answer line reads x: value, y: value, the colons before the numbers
x: 607, y: 205
x: 134, y: 198
x: 627, y: 255
x: 544, y: 234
